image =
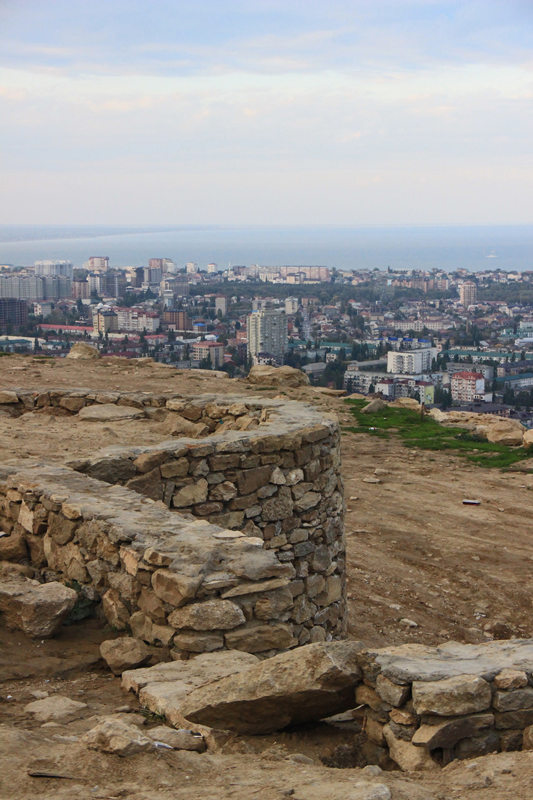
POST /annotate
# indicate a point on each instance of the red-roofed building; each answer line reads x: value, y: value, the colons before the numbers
x: 467, y: 387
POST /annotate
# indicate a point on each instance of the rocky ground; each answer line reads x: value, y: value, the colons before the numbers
x: 422, y: 567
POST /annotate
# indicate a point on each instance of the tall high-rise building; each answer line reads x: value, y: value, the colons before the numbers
x: 97, y: 263
x: 267, y: 333
x: 221, y: 304
x: 81, y: 290
x: 51, y: 268
x: 12, y: 312
x: 191, y: 268
x: 468, y: 293
x: 211, y: 268
x: 35, y: 287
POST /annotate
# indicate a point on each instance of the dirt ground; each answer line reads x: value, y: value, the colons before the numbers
x: 422, y: 567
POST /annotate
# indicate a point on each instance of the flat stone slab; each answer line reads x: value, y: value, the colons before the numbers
x: 310, y: 683
x: 164, y: 687
x: 416, y: 662
x: 108, y: 412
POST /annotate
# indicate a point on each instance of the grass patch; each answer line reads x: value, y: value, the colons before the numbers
x: 427, y: 434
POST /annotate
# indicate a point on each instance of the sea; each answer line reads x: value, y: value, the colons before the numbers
x: 476, y: 248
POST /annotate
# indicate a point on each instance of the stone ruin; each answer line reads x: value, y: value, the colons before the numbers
x: 228, y: 545
x: 233, y: 540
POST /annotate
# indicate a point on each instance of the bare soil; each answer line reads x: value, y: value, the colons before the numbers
x: 416, y: 556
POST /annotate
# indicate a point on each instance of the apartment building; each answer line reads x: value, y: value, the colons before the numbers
x: 105, y: 321
x: 267, y: 333
x: 411, y: 361
x: 214, y: 351
x: 50, y: 268
x: 12, y: 312
x: 178, y: 319
x: 221, y: 304
x: 136, y: 319
x: 97, y: 264
x: 466, y: 387
x: 468, y: 293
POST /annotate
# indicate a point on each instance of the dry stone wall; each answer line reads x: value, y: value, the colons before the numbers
x: 430, y: 705
x: 234, y: 540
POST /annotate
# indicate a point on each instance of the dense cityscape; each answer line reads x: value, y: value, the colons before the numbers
x: 456, y: 339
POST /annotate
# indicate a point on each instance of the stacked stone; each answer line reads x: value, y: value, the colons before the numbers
x: 281, y: 484
x: 426, y: 706
x: 173, y: 577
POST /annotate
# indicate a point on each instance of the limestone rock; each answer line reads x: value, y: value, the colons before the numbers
x: 406, y: 402
x: 527, y: 739
x: 265, y: 375
x: 178, y: 739
x: 513, y: 700
x: 191, y: 495
x: 510, y: 679
x: 260, y: 638
x: 13, y: 548
x: 123, y: 654
x: 83, y: 351
x: 448, y: 732
x: 416, y: 662
x: 373, y: 406
x: 390, y: 692
x: 8, y: 398
x: 310, y: 683
x: 464, y: 694
x: 407, y: 755
x: 36, y: 609
x: 199, y: 642
x: 527, y: 439
x: 56, y: 708
x: 503, y: 432
x: 114, y: 736
x: 195, y: 672
x: 176, y: 425
x: 208, y: 616
x: 108, y: 412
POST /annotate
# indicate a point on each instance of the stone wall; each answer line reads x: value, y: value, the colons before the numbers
x: 232, y: 541
x: 428, y: 705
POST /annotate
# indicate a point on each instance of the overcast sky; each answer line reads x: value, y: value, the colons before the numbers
x: 266, y: 112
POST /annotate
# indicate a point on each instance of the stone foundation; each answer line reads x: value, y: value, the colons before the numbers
x: 234, y: 541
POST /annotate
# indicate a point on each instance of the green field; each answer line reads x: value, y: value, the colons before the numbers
x: 426, y: 433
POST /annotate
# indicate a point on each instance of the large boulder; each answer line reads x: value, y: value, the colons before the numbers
x: 303, y: 685
x: 373, y: 406
x: 265, y: 375
x: 83, y: 351
x: 123, y: 654
x: 406, y: 402
x: 527, y: 439
x: 34, y: 608
x: 505, y: 431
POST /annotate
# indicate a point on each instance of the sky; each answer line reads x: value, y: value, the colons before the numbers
x: 259, y: 112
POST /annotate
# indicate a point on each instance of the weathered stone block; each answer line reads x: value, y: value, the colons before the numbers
x: 173, y: 588
x: 251, y: 480
x: 208, y: 616
x: 191, y: 495
x: 464, y: 694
